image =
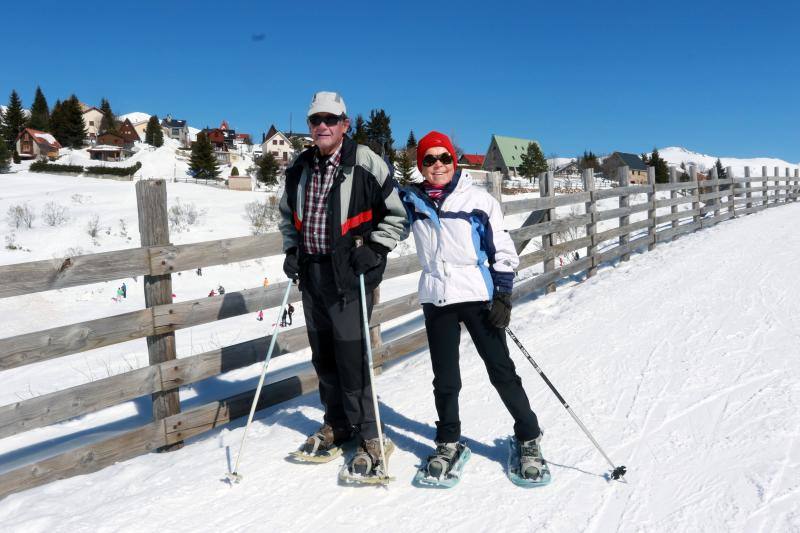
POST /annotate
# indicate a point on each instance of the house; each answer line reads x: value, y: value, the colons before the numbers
x: 111, y: 138
x: 217, y: 138
x: 471, y: 161
x: 176, y: 129
x: 505, y: 155
x: 91, y: 120
x: 242, y: 138
x: 279, y: 145
x: 138, y: 120
x: 33, y: 143
x: 571, y: 170
x: 637, y: 169
x: 128, y: 132
x: 228, y: 134
x: 105, y: 152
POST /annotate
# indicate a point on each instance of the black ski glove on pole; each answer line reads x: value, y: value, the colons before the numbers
x: 291, y: 264
x: 500, y: 312
x: 364, y: 258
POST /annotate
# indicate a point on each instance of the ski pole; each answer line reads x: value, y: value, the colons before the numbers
x: 359, y: 241
x: 617, y: 472
x: 235, y: 476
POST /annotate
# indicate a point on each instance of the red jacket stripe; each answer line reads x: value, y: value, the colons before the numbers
x: 353, y: 222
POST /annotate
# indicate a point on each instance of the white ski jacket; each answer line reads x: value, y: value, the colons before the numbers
x: 464, y: 251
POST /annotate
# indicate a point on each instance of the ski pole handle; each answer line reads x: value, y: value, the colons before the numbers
x: 359, y: 240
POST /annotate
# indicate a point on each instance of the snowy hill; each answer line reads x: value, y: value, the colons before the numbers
x: 675, y: 155
x: 135, y: 117
x: 685, y: 374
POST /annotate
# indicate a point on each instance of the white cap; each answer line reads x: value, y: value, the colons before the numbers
x: 327, y: 102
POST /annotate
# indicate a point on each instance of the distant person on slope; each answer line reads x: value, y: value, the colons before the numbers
x: 336, y: 191
x: 468, y: 262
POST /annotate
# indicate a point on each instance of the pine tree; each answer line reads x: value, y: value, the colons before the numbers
x: 533, y: 161
x: 588, y: 160
x: 412, y: 141
x: 405, y: 165
x: 109, y: 122
x: 379, y: 133
x: 74, y: 129
x: 662, y: 169
x: 153, y: 134
x: 40, y: 113
x: 14, y: 120
x: 684, y: 174
x: 57, y: 122
x: 268, y: 169
x: 360, y: 133
x: 5, y: 157
x: 15, y: 157
x: 721, y: 172
x: 203, y: 163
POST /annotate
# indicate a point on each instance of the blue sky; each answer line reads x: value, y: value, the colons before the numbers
x: 715, y: 77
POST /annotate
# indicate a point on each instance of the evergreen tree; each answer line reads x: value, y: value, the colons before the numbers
x: 5, y: 157
x: 153, y: 134
x: 588, y: 160
x: 360, y: 133
x: 14, y: 120
x: 405, y: 165
x: 73, y: 128
x: 203, y: 163
x: 684, y: 174
x: 268, y: 169
x: 40, y: 113
x: 109, y: 122
x: 379, y: 133
x: 662, y: 169
x: 57, y: 122
x: 235, y: 171
x: 297, y: 144
x: 412, y: 141
x: 721, y: 172
x: 533, y: 161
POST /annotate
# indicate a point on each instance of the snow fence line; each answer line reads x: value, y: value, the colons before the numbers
x: 668, y: 211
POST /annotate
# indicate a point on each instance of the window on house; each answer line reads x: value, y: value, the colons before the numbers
x: 281, y: 143
x: 274, y: 141
x: 176, y: 131
x: 91, y: 122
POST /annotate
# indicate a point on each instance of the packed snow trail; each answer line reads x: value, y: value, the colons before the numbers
x: 683, y: 362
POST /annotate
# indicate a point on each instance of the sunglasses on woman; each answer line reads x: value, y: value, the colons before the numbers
x: 329, y: 120
x: 430, y: 160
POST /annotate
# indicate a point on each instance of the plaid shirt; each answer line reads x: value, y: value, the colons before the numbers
x: 316, y: 238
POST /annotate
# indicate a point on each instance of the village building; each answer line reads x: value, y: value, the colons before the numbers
x: 474, y: 161
x: 637, y: 169
x: 105, y: 152
x: 505, y: 155
x: 571, y: 170
x: 91, y: 121
x: 32, y: 144
x: 128, y: 132
x: 279, y: 145
x: 176, y: 129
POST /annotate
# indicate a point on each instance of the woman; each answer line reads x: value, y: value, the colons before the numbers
x: 468, y: 263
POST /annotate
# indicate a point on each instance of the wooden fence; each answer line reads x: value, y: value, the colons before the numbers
x: 699, y: 205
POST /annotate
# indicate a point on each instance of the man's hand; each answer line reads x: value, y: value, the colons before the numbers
x: 500, y: 313
x: 366, y: 257
x: 291, y: 264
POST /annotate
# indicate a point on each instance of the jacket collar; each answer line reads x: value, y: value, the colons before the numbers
x: 349, y: 146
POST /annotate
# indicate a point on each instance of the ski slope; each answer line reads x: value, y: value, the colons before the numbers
x: 683, y: 362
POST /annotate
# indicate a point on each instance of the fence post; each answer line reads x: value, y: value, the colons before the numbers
x: 715, y: 191
x: 777, y: 185
x: 764, y: 183
x: 732, y: 195
x: 591, y: 227
x: 787, y: 191
x: 673, y: 194
x: 696, y: 196
x: 651, y: 211
x: 796, y: 183
x: 546, y: 183
x: 624, y: 201
x: 496, y: 183
x: 151, y: 201
x: 748, y: 187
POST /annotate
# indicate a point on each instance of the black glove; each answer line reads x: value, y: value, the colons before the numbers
x: 500, y: 312
x: 366, y: 257
x: 291, y: 264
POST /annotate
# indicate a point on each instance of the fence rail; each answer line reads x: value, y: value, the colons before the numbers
x: 666, y: 219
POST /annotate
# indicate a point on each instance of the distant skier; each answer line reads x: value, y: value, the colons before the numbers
x: 283, y: 317
x: 266, y: 283
x: 120, y: 293
x: 212, y: 293
x: 124, y: 290
x: 199, y: 271
x: 260, y: 316
x: 291, y: 312
x: 221, y: 290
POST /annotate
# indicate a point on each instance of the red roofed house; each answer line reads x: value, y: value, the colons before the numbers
x: 34, y: 143
x: 128, y: 132
x: 471, y: 160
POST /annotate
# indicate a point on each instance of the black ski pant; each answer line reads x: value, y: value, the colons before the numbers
x: 444, y: 335
x: 336, y: 336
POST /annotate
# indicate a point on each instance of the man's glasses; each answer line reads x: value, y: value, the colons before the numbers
x: 329, y: 120
x: 430, y: 160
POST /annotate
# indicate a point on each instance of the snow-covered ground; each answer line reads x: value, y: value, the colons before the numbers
x: 683, y: 362
x: 675, y: 155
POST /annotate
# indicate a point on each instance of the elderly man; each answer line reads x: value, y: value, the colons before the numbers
x: 337, y: 191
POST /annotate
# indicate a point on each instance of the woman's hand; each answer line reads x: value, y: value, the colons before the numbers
x: 500, y: 312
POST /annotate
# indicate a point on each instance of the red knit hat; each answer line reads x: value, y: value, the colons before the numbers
x: 431, y: 140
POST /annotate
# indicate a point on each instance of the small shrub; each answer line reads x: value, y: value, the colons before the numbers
x: 262, y: 216
x: 234, y: 171
x: 15, y: 157
x: 11, y: 241
x: 20, y: 215
x: 78, y: 198
x: 115, y: 171
x: 182, y: 215
x: 44, y: 166
x: 93, y: 226
x: 55, y: 214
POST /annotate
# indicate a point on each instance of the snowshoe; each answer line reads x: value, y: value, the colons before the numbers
x: 322, y: 446
x: 526, y: 466
x: 443, y: 469
x: 365, y: 467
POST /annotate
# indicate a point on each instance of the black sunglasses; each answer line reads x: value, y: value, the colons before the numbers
x: 329, y: 120
x: 430, y: 160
